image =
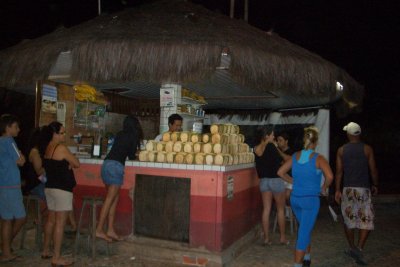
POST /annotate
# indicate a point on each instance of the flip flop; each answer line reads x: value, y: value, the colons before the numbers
x: 70, y: 232
x: 267, y: 243
x: 15, y: 258
x: 46, y: 257
x: 287, y: 243
x: 118, y: 238
x: 62, y: 264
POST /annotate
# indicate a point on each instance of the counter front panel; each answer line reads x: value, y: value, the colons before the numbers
x: 205, y: 208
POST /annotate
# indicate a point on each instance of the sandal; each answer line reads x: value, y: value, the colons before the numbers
x: 13, y: 258
x: 64, y: 263
x: 285, y: 243
x: 267, y: 243
x: 46, y: 257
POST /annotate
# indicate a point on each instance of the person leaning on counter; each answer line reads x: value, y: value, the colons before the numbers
x: 126, y: 143
x: 174, y: 125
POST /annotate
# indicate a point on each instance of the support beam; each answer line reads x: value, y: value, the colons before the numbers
x: 246, y: 10
x: 232, y: 9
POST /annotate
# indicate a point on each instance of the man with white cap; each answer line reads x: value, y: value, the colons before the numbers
x: 355, y: 165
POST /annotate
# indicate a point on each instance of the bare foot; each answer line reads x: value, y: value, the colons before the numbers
x: 103, y: 236
x: 8, y: 258
x: 62, y: 262
x: 46, y: 255
x: 114, y: 236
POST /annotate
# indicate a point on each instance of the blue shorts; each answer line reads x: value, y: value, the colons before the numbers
x: 274, y: 185
x: 39, y: 191
x: 112, y: 172
x: 11, y: 204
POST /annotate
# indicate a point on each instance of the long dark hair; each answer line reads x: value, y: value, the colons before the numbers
x: 262, y: 132
x: 47, y: 133
x: 132, y: 125
x: 37, y: 138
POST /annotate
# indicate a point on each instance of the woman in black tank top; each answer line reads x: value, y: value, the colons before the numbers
x: 125, y: 145
x: 58, y: 162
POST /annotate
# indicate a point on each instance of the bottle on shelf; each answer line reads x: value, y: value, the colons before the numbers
x: 96, y: 151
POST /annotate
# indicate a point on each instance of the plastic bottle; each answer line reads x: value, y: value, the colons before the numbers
x: 42, y: 178
x: 110, y: 143
x: 96, y: 152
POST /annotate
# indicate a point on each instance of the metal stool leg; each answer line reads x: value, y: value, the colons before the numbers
x: 91, y: 203
x: 78, y: 230
x: 93, y: 229
x: 25, y: 227
x: 288, y: 212
x: 38, y: 234
x: 289, y: 217
x: 38, y: 238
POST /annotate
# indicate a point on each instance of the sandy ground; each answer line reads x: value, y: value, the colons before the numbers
x: 328, y: 241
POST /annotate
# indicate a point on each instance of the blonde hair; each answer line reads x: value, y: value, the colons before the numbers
x: 310, y: 136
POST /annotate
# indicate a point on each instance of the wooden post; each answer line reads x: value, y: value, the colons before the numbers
x: 99, y: 7
x: 232, y: 9
x: 246, y: 10
x: 38, y: 98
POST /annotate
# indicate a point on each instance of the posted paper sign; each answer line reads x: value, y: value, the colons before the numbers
x: 49, y: 98
x: 167, y: 97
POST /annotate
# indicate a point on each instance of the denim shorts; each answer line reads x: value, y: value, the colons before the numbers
x: 274, y: 185
x: 39, y: 191
x: 112, y: 172
x: 11, y: 203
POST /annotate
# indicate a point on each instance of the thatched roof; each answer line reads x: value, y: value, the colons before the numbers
x: 182, y: 42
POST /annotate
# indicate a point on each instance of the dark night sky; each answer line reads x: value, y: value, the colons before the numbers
x: 361, y: 36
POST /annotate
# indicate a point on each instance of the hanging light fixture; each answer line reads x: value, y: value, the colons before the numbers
x: 225, y: 59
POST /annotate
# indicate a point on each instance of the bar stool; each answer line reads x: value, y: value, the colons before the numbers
x: 38, y: 234
x: 289, y: 217
x: 91, y: 202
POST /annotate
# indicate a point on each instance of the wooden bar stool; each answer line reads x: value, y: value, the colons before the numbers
x: 38, y: 235
x: 92, y: 202
x: 289, y: 217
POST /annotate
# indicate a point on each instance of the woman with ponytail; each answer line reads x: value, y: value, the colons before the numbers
x: 307, y: 169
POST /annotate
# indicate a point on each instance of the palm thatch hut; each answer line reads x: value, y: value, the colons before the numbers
x: 232, y: 64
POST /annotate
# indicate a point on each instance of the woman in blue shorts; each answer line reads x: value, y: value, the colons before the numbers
x: 268, y: 159
x: 126, y: 143
x: 307, y: 168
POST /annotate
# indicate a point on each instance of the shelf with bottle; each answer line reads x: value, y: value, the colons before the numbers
x: 189, y: 110
x: 88, y: 115
x: 188, y: 100
x: 191, y: 115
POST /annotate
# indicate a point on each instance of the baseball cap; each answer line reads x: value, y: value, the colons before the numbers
x: 352, y: 128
